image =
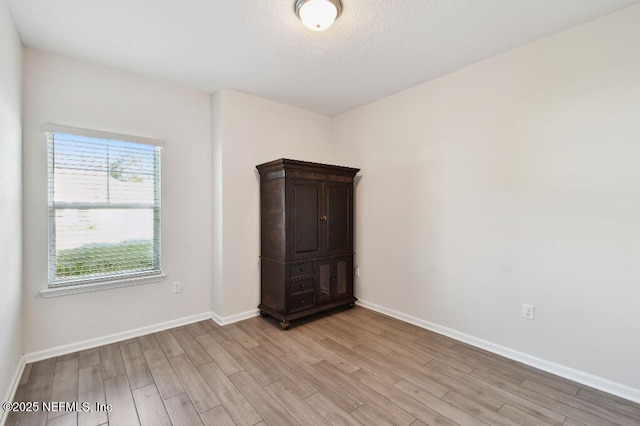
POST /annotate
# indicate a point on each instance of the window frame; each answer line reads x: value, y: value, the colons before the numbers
x: 71, y: 285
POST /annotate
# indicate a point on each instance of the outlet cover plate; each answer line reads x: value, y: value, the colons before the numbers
x: 528, y: 311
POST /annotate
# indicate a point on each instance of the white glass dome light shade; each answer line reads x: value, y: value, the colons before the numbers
x: 318, y: 15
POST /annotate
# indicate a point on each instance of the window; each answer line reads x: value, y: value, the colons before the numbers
x: 104, y: 208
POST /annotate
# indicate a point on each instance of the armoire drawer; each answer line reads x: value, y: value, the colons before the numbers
x: 300, y: 285
x: 299, y: 269
x: 300, y: 301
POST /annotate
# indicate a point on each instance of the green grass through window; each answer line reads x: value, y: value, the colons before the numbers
x: 104, y: 259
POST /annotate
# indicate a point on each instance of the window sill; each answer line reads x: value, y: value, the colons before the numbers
x: 101, y: 285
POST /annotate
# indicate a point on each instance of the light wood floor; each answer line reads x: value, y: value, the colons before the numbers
x: 352, y: 367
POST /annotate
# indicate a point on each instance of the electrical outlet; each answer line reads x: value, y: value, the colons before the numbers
x: 357, y: 271
x: 528, y: 311
x: 177, y: 287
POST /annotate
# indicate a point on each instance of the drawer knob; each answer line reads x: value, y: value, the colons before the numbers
x: 301, y: 269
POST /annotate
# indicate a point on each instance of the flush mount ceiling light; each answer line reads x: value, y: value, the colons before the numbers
x: 318, y: 15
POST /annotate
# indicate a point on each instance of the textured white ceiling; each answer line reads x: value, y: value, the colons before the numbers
x: 375, y: 48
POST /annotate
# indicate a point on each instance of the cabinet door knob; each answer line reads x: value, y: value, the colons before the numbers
x: 323, y: 218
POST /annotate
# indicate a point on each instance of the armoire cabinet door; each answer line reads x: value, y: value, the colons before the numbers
x: 334, y: 279
x: 305, y: 226
x: 338, y: 206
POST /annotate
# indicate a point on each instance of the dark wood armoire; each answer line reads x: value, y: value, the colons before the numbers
x: 306, y: 231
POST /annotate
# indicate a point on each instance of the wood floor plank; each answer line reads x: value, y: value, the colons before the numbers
x: 191, y: 347
x: 338, y: 394
x: 41, y: 381
x: 481, y: 412
x: 330, y: 410
x: 241, y: 337
x: 293, y: 346
x: 277, y: 346
x: 368, y: 336
x: 219, y: 354
x: 150, y: 407
x: 196, y: 329
x: 440, y: 354
x: 374, y: 400
x: 292, y: 401
x: 461, y: 383
x: 38, y: 388
x: 148, y: 342
x: 26, y: 373
x: 437, y: 404
x: 66, y: 357
x: 215, y: 331
x: 618, y: 405
x: 66, y: 419
x: 397, y: 397
x: 135, y: 365
x: 250, y: 363
x: 169, y: 344
x: 201, y: 395
x: 415, y: 372
x: 547, y: 402
x: 181, y: 411
x: 571, y: 401
x: 521, y: 418
x: 217, y: 416
x: 368, y: 416
x: 365, y: 362
x: 65, y: 383
x: 312, y: 346
x: 89, y: 357
x: 118, y: 394
x: 268, y: 408
x: 111, y: 359
x: 240, y: 410
x: 91, y: 389
x: 343, y: 336
x: 571, y: 422
x: 387, y: 325
x: 484, y: 385
x: 299, y: 384
x: 165, y: 378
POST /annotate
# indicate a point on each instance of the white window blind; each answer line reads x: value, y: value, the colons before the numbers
x: 104, y: 209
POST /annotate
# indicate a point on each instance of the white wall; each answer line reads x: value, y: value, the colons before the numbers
x: 10, y: 201
x: 513, y: 180
x: 252, y: 131
x: 68, y: 92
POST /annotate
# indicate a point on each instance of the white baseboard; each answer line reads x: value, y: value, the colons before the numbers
x: 234, y: 318
x: 13, y: 388
x: 92, y: 343
x: 587, y: 379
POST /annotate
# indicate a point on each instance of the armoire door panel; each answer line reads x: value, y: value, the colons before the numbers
x: 305, y: 227
x: 338, y: 225
x: 324, y: 282
x: 342, y: 279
